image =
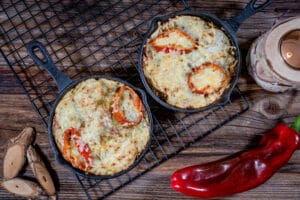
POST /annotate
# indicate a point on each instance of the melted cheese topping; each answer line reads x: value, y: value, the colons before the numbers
x: 87, y: 108
x: 207, y: 78
x: 167, y: 72
x: 128, y: 105
x: 174, y: 38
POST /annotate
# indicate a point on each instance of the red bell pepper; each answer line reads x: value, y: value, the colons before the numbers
x: 242, y: 171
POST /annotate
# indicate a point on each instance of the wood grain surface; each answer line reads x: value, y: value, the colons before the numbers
x: 16, y: 112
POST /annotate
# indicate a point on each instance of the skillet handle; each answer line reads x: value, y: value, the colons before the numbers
x: 61, y: 80
x: 235, y: 22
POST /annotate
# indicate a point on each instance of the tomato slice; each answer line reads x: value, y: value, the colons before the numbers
x: 82, y: 148
x: 174, y: 39
x: 120, y: 114
x: 207, y: 78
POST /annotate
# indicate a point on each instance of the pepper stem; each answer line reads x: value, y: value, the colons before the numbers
x: 296, y: 124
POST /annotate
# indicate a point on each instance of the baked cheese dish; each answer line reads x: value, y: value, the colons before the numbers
x: 101, y: 126
x: 189, y: 62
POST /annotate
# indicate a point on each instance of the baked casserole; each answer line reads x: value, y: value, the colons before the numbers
x: 189, y: 62
x: 101, y: 126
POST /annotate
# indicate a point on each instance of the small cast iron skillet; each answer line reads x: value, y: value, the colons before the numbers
x: 230, y: 28
x: 65, y: 84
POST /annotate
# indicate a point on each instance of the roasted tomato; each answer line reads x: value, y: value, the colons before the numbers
x: 82, y: 148
x: 127, y: 107
x: 207, y: 78
x: 174, y: 39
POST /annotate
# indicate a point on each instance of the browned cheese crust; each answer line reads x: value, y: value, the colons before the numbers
x: 177, y: 50
x: 100, y: 144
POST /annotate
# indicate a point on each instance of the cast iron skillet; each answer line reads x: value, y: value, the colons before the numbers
x: 64, y: 84
x: 229, y: 26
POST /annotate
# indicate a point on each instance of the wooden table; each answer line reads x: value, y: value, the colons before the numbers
x: 16, y: 112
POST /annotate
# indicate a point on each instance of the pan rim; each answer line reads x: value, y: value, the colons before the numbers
x: 225, y: 98
x: 57, y: 154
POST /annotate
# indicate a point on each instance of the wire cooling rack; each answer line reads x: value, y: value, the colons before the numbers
x: 101, y: 37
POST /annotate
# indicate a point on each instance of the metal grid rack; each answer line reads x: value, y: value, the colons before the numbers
x: 101, y: 37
